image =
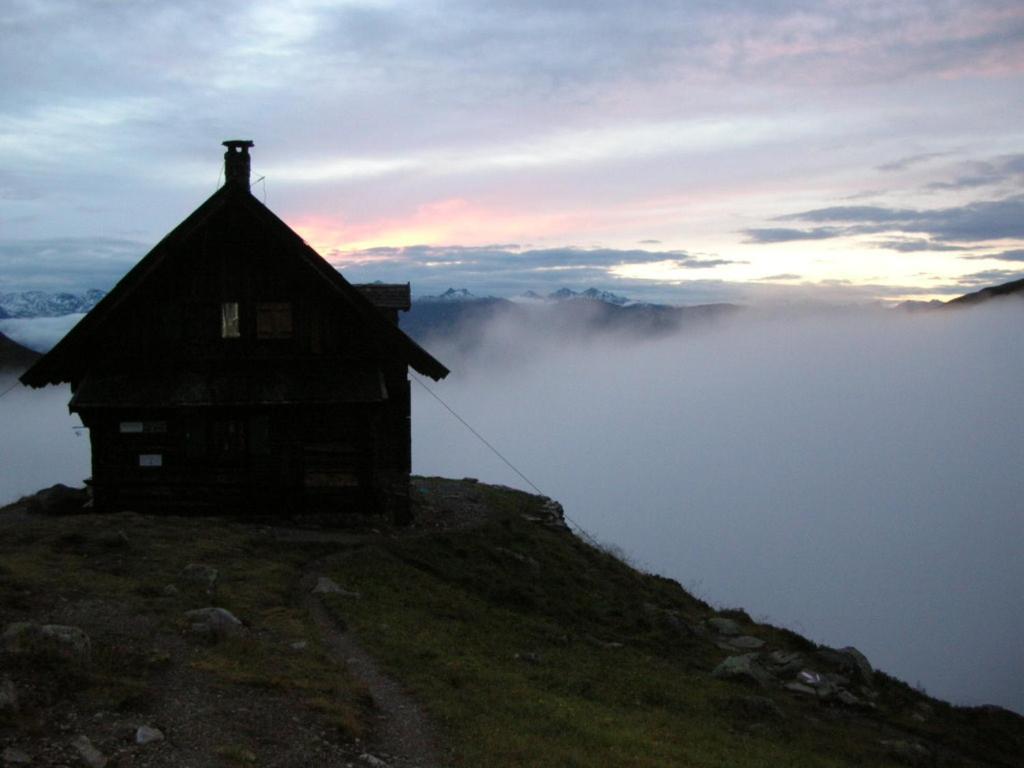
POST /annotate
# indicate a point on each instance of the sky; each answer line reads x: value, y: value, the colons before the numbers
x: 684, y: 152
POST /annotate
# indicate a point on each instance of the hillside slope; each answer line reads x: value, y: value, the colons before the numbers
x: 523, y: 644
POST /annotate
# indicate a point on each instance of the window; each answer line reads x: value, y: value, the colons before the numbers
x: 229, y: 325
x: 151, y: 460
x: 140, y: 427
x: 274, y: 320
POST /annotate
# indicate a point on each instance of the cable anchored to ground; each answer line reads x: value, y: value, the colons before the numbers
x: 501, y: 456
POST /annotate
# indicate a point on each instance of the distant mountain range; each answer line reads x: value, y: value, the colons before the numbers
x: 457, y: 312
x: 44, y: 304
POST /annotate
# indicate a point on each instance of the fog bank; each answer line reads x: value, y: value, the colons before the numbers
x: 38, y: 445
x: 854, y: 475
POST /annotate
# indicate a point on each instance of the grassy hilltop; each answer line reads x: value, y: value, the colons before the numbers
x: 525, y: 646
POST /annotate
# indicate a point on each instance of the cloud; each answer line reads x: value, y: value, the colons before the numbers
x: 1016, y: 254
x: 911, y: 160
x: 912, y: 245
x: 1008, y: 168
x: 67, y: 263
x: 972, y: 222
x: 990, y: 277
x: 784, y: 235
x: 819, y: 468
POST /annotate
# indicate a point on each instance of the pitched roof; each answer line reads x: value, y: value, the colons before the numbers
x: 65, y: 360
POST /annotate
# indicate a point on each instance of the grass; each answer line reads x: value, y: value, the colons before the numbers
x: 528, y: 646
x: 535, y: 649
x: 47, y: 562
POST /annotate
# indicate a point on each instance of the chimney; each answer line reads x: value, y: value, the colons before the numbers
x: 236, y: 163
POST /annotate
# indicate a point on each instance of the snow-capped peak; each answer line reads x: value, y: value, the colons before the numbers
x: 452, y: 294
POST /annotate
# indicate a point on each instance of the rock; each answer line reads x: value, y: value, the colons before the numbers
x: 850, y: 661
x: 909, y: 752
x: 724, y: 626
x: 745, y: 642
x: 299, y: 645
x: 214, y: 622
x: 370, y: 760
x: 170, y: 590
x: 859, y: 662
x: 12, y: 756
x: 744, y: 668
x: 811, y: 678
x: 785, y: 664
x: 201, y: 575
x: 50, y: 641
x: 848, y: 699
x: 91, y: 756
x: 147, y: 735
x: 326, y: 586
x: 58, y: 500
x: 800, y: 688
x: 8, y: 697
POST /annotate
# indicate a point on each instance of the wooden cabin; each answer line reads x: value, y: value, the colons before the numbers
x: 233, y: 370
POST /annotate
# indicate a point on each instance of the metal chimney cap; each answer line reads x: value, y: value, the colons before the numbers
x: 238, y: 144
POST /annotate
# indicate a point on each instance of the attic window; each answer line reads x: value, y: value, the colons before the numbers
x: 274, y: 320
x: 229, y: 325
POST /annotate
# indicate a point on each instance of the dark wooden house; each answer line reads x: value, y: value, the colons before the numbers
x: 233, y: 370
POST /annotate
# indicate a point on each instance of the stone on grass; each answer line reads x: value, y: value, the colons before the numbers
x: 214, y: 622
x: 146, y: 734
x: 47, y: 641
x: 859, y: 662
x: 12, y: 756
x: 327, y: 586
x: 58, y: 499
x: 371, y: 760
x: 724, y: 626
x: 909, y: 752
x: 8, y: 697
x: 745, y: 668
x: 91, y: 756
x: 745, y: 642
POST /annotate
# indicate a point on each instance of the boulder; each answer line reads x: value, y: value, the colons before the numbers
x: 745, y: 668
x: 785, y: 664
x: 47, y: 641
x: 214, y: 623
x: 724, y: 626
x: 12, y: 756
x: 745, y: 642
x: 849, y: 661
x: 326, y: 586
x: 146, y: 734
x: 91, y: 756
x: 8, y: 697
x: 58, y: 499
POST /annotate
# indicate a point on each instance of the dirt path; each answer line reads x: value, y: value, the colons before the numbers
x: 403, y: 735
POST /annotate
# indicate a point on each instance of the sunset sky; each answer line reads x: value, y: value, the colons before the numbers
x: 673, y: 151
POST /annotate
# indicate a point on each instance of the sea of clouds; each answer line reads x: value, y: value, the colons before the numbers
x: 855, y: 475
